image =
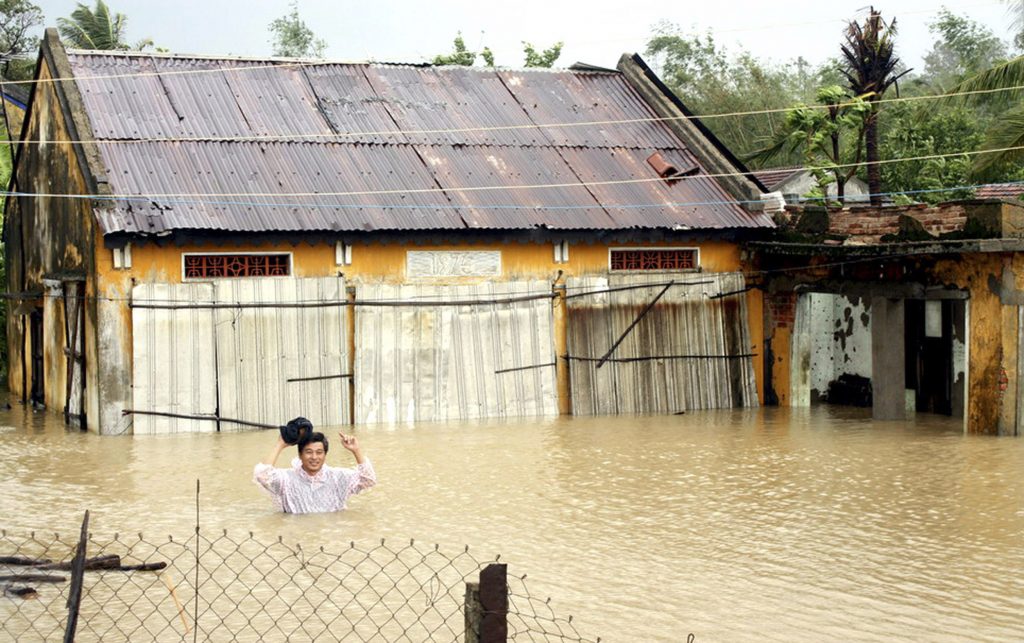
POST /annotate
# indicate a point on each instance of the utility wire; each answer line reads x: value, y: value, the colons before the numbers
x: 485, y: 188
x: 509, y: 206
x: 335, y: 136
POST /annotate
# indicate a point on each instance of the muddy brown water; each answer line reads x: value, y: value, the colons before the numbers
x: 764, y: 524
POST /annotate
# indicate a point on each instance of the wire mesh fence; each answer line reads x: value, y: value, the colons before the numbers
x: 237, y: 587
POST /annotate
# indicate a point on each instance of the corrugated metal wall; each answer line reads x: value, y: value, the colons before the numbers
x: 266, y: 356
x: 701, y: 342
x: 173, y: 367
x: 237, y: 362
x: 437, y: 363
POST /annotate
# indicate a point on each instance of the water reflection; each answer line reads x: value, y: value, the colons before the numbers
x: 776, y: 524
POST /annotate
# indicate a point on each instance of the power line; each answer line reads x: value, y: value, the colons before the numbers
x: 509, y: 206
x: 490, y: 188
x: 337, y: 136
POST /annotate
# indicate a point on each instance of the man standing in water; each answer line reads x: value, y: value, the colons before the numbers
x: 310, y: 486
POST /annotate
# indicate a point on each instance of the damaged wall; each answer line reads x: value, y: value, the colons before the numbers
x: 48, y: 239
x: 840, y: 341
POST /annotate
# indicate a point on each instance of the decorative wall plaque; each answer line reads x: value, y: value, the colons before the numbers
x: 452, y: 263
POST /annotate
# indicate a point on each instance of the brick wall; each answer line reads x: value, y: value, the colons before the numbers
x: 782, y: 308
x: 868, y: 225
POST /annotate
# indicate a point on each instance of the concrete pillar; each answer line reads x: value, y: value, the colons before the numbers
x: 800, y: 363
x: 888, y: 378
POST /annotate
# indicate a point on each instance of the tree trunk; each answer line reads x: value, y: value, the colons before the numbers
x: 871, y: 150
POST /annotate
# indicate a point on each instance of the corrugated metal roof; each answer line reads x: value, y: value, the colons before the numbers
x: 773, y: 176
x: 416, y: 135
x: 999, y: 191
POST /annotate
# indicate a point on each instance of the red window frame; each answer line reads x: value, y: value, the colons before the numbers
x: 236, y: 266
x: 641, y: 259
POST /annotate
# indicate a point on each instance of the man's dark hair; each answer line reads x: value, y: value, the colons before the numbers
x: 315, y: 437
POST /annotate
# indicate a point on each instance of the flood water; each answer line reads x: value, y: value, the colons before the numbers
x: 765, y: 524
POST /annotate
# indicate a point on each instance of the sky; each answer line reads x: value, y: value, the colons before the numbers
x: 594, y: 31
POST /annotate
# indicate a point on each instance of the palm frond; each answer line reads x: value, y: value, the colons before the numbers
x: 1008, y: 75
x: 1007, y: 135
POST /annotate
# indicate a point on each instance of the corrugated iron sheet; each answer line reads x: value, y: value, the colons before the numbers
x: 704, y: 344
x: 236, y: 363
x: 444, y: 363
x: 174, y: 366
x: 383, y: 128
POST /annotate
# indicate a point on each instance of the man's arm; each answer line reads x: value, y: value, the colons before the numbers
x: 352, y: 445
x: 274, y: 454
x: 264, y: 474
x: 365, y: 477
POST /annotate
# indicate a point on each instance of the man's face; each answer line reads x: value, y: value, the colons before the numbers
x: 312, y: 457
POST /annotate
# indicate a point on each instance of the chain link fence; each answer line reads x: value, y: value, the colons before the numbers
x: 237, y: 587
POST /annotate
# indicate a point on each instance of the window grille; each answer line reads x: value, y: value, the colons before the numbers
x: 237, y: 265
x: 654, y: 259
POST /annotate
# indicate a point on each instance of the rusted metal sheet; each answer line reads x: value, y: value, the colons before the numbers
x: 277, y: 363
x: 238, y: 169
x: 601, y: 100
x: 690, y: 351
x: 443, y: 363
x: 453, y: 106
x: 694, y: 202
x: 260, y: 365
x: 392, y: 131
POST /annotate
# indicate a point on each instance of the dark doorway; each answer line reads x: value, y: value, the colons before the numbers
x: 929, y: 353
x: 38, y: 394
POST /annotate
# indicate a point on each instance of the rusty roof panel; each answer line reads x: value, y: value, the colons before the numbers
x: 275, y: 187
x: 468, y: 173
x: 689, y: 203
x: 410, y: 148
x: 351, y: 105
x: 596, y: 102
x: 452, y: 105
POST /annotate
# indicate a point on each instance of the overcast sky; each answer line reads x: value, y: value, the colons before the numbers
x: 594, y: 31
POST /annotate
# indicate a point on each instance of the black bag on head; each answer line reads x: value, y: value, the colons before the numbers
x: 296, y: 430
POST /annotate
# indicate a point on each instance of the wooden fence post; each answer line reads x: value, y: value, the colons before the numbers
x: 77, y: 575
x: 494, y: 603
x: 486, y: 606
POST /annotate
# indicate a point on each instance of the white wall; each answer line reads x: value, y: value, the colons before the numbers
x: 802, y: 182
x: 840, y: 335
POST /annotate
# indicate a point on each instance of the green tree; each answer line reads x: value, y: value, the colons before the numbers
x: 870, y: 66
x: 97, y: 28
x: 913, y: 131
x: 545, y: 58
x: 964, y: 47
x: 461, y: 55
x: 293, y: 39
x: 824, y: 133
x: 711, y: 81
x: 1004, y: 136
x: 17, y: 20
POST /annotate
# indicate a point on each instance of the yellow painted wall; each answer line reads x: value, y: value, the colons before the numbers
x: 986, y: 333
x: 376, y: 262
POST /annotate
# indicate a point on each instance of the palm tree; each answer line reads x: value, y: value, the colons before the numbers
x: 1005, y: 136
x: 870, y: 68
x: 97, y: 28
